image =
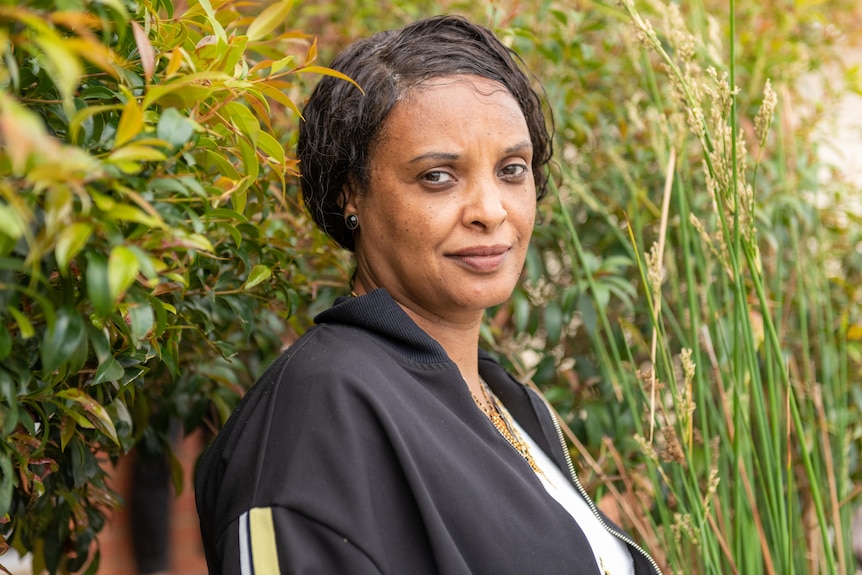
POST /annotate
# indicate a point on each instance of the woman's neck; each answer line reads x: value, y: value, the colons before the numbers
x: 460, y: 341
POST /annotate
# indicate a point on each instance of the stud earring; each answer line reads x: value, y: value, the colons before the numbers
x: 351, y: 222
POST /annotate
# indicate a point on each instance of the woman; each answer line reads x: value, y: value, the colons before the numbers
x: 384, y: 440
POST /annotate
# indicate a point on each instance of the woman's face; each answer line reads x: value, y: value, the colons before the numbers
x: 449, y: 210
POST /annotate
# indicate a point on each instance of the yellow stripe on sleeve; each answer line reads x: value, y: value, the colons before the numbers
x: 262, y: 534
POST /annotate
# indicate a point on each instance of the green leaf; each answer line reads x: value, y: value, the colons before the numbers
x: 123, y: 268
x: 84, y: 464
x: 99, y: 343
x: 553, y: 321
x: 223, y: 165
x: 142, y: 318
x: 240, y: 196
x: 259, y: 273
x: 98, y: 288
x: 269, y: 18
x: 109, y: 370
x: 5, y: 341
x: 244, y: 313
x: 521, y: 312
x: 79, y: 355
x: 161, y: 317
x: 70, y: 242
x: 588, y: 313
x: 12, y: 413
x: 249, y: 160
x: 62, y: 339
x: 7, y: 483
x: 175, y: 128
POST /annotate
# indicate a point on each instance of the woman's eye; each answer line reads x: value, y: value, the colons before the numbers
x: 514, y: 171
x: 437, y: 177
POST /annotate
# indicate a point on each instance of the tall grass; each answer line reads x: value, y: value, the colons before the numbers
x: 739, y: 374
x: 682, y: 308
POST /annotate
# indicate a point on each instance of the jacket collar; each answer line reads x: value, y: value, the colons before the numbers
x: 377, y: 313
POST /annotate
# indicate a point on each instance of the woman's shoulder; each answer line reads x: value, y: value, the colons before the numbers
x: 328, y: 361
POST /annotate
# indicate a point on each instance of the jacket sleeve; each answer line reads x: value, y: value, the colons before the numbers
x: 278, y: 541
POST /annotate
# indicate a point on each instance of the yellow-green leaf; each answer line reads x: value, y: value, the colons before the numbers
x: 65, y: 67
x: 67, y: 430
x: 191, y: 87
x: 137, y: 153
x: 217, y: 28
x: 79, y: 419
x: 271, y: 147
x: 70, y: 242
x: 123, y: 268
x: 324, y: 71
x: 132, y: 214
x: 259, y: 273
x: 131, y: 123
x: 269, y: 19
x: 58, y: 207
x: 282, y: 64
x: 116, y: 5
x: 279, y: 96
x: 94, y: 409
x: 194, y: 241
x: 244, y: 120
x: 11, y: 223
x: 24, y: 325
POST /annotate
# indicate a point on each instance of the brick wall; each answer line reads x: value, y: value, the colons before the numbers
x: 186, y: 553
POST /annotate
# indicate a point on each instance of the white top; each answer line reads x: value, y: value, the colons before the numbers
x: 612, y: 555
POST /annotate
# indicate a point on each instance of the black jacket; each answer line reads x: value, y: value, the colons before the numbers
x: 363, y: 452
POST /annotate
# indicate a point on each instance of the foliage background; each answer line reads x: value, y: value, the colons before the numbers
x: 154, y: 256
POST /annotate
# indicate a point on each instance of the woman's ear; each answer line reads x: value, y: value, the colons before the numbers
x: 349, y: 198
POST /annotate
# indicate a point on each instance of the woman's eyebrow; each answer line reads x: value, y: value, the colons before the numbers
x: 448, y: 156
x: 440, y: 156
x: 519, y: 147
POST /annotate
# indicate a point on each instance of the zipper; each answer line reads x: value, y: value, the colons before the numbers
x: 621, y: 536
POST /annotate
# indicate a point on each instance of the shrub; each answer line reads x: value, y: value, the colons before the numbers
x: 151, y: 249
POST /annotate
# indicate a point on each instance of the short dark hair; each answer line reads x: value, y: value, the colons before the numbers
x: 341, y: 123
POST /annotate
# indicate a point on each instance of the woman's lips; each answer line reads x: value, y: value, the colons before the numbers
x: 481, y: 258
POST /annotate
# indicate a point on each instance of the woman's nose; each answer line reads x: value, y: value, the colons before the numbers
x: 485, y: 206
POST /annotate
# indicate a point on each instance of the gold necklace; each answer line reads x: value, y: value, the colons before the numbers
x: 494, y: 410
